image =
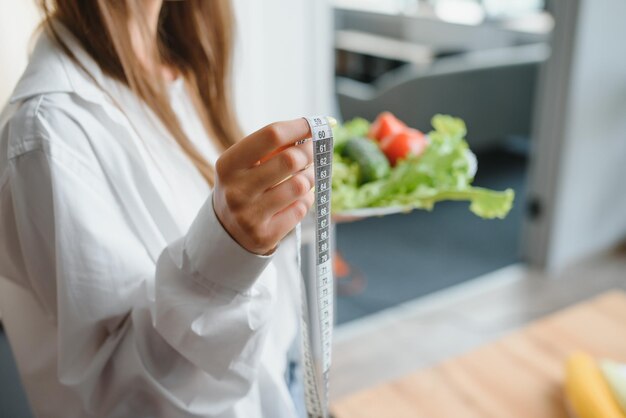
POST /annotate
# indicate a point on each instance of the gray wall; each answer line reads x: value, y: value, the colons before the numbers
x: 578, y: 172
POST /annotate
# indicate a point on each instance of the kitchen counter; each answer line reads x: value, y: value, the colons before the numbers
x: 520, y: 375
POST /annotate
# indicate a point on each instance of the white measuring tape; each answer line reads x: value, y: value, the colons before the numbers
x: 317, y: 291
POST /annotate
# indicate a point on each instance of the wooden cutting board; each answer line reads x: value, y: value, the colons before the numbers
x: 520, y: 375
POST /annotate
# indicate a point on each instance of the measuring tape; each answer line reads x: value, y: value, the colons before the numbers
x: 317, y: 291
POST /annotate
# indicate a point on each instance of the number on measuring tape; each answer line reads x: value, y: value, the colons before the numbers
x: 317, y: 292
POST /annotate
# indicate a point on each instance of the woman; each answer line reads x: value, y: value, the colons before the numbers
x: 142, y: 282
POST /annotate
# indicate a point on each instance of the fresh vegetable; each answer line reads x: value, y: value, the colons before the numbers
x: 357, y: 127
x: 615, y: 375
x: 372, y: 163
x: 587, y: 391
x: 386, y: 124
x: 442, y: 172
x: 401, y: 145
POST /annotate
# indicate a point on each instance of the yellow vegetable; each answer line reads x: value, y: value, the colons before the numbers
x: 587, y: 391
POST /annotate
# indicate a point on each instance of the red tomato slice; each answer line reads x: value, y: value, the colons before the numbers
x: 401, y: 145
x: 386, y: 124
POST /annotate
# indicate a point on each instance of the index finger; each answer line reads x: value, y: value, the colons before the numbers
x: 247, y: 152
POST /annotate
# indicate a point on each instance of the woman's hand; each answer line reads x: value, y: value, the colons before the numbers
x: 258, y: 203
x: 342, y: 219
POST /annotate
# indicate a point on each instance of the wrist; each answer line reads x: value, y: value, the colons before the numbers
x: 231, y: 227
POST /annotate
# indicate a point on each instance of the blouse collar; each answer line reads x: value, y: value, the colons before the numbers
x: 51, y: 70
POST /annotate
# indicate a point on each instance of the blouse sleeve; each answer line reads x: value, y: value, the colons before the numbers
x: 189, y: 328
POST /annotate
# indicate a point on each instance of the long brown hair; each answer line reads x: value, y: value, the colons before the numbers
x: 194, y: 36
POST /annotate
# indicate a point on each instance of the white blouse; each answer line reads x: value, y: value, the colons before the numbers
x: 125, y: 297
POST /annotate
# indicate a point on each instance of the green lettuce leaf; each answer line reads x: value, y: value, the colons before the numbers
x: 357, y: 127
x: 441, y: 173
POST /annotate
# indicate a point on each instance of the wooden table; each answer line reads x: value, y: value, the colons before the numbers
x: 520, y: 375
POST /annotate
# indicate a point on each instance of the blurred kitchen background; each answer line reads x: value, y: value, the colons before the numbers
x: 478, y: 60
x: 542, y: 87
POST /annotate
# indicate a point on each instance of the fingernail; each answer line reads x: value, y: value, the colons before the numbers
x: 333, y: 122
